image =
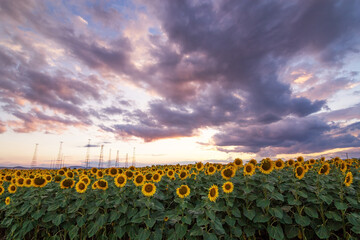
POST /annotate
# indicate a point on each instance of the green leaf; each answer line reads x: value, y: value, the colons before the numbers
x: 210, y: 214
x: 311, y: 212
x: 341, y: 206
x: 81, y: 220
x: 217, y: 225
x: 120, y: 231
x: 38, y: 214
x: 354, y: 219
x: 302, y: 220
x: 114, y: 215
x: 269, y: 187
x: 201, y: 221
x: 123, y: 208
x: 249, y: 231
x: 180, y: 230
x: 150, y: 222
x: 53, y: 207
x: 277, y: 196
x: 237, y: 231
x: 261, y: 218
x: 158, y: 205
x: 236, y: 212
x: 356, y: 229
x: 302, y: 194
x: 157, y: 234
x: 58, y: 219
x: 209, y: 236
x: 144, y: 234
x: 263, y: 203
x: 333, y: 215
x: 73, y: 232
x: 276, y: 232
x: 101, y: 221
x: 230, y: 221
x: 93, y: 210
x: 186, y: 219
x: 322, y: 232
x: 92, y: 229
x: 27, y: 226
x: 196, y: 231
x: 326, y: 198
x: 24, y: 209
x: 291, y: 231
x: 249, y: 213
x: 276, y: 212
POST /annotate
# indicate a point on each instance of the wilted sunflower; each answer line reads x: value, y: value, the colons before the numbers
x: 156, y: 177
x: 20, y: 181
x: 148, y: 189
x: 228, y: 187
x: 139, y: 180
x: 183, y: 191
x: 39, y: 182
x: 113, y: 172
x: 12, y: 188
x: 249, y: 169
x: 129, y: 174
x: 299, y: 172
x: 7, y: 200
x: 348, y: 179
x: 266, y: 166
x: 238, y: 162
x: 211, y: 170
x: 279, y: 164
x: 199, y: 166
x: 324, y: 170
x: 2, y: 190
x: 213, y: 193
x: 170, y: 173
x: 102, y: 184
x: 120, y: 180
x: 183, y: 175
x: 228, y: 173
x: 81, y: 187
x: 67, y: 183
x: 28, y: 182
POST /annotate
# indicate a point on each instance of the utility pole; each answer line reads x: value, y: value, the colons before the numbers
x: 33, y: 162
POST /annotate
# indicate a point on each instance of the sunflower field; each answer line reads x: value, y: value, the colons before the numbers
x: 272, y: 199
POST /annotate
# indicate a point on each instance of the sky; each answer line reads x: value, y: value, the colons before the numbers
x: 178, y: 81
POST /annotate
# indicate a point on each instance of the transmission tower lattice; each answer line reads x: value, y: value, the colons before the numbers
x: 133, y: 159
x: 33, y: 162
x: 109, y: 162
x: 117, y: 159
x: 126, y: 161
x: 101, y: 158
x: 87, y: 155
x: 59, y: 158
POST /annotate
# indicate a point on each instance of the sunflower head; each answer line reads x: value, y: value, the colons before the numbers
x: 300, y: 159
x: 183, y: 174
x: 249, y: 169
x: 28, y: 182
x: 102, y: 184
x: 57, y: 178
x: 94, y: 170
x: 183, y: 191
x: 290, y: 162
x: 69, y: 174
x: 228, y: 173
x: 132, y: 168
x: 228, y: 187
x: 81, y: 187
x: 120, y: 180
x: 312, y: 161
x: 156, y: 177
x: 238, y: 162
x: 213, y: 193
x: 343, y: 166
x: 211, y: 170
x: 199, y: 166
x: 20, y: 181
x: 300, y: 172
x: 266, y: 166
x: 12, y: 188
x: 279, y: 164
x: 129, y: 174
x: 113, y: 172
x: 39, y: 182
x: 170, y: 173
x: 67, y: 183
x: 7, y: 200
x: 148, y: 176
x: 139, y: 180
x: 99, y: 174
x: 148, y: 189
x: 325, y: 169
x: 2, y: 190
x: 348, y: 179
x: 253, y: 162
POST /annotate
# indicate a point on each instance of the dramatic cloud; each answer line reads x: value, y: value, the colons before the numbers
x: 262, y: 74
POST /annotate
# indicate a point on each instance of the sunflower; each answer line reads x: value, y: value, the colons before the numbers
x: 300, y: 159
x: 211, y: 170
x: 253, y: 162
x: 199, y: 166
x: 99, y: 174
x: 290, y: 162
x: 238, y: 162
x: 67, y: 183
x: 102, y: 184
x: 7, y: 200
x: 132, y: 168
x: 48, y: 178
x: 129, y: 174
x: 299, y: 172
x: 213, y: 193
x: 228, y: 187
x: 343, y: 167
x: 249, y: 169
x: 266, y: 166
x: 166, y: 219
x: 183, y: 191
x: 12, y: 188
x: 94, y: 185
x: 57, y: 178
x: 279, y: 164
x: 120, y: 180
x: 8, y: 178
x: 69, y: 174
x: 86, y: 180
x: 148, y: 176
x: 312, y: 161
x: 139, y: 180
x: 28, y: 182
x: 94, y: 170
x: 81, y: 187
x: 39, y: 182
x: 20, y: 181
x: 156, y: 177
x: 113, y: 172
x: 325, y: 169
x: 228, y: 173
x: 170, y: 174
x: 348, y: 179
x: 2, y: 190
x: 148, y: 189
x: 183, y: 175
